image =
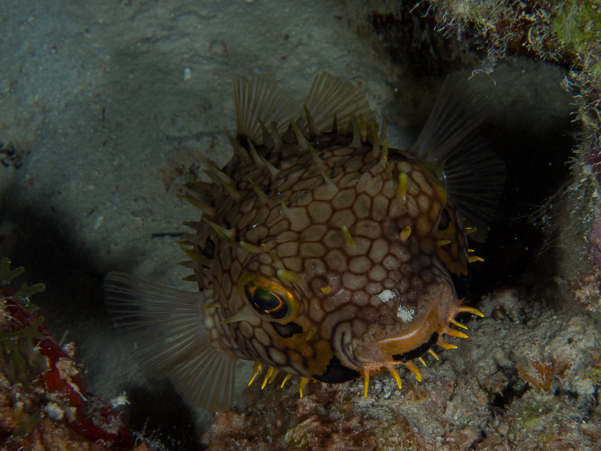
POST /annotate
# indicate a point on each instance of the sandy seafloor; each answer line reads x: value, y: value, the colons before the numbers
x: 106, y: 103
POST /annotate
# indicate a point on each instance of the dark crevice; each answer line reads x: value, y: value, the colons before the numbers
x: 164, y: 417
x: 515, y: 389
x: 535, y: 168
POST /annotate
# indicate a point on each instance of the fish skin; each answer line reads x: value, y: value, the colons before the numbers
x: 309, y: 242
x: 324, y: 255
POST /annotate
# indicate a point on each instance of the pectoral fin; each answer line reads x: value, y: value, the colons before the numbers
x: 474, y: 175
x: 164, y: 331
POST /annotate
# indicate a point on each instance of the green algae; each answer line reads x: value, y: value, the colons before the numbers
x: 29, y: 331
x: 595, y: 377
x: 9, y: 341
x: 577, y: 26
x: 25, y: 291
x: 527, y: 417
x: 6, y: 274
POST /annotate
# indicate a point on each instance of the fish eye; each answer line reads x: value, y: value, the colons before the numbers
x: 265, y: 301
x: 268, y: 298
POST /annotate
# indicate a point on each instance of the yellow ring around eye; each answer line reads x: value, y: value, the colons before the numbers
x: 268, y: 299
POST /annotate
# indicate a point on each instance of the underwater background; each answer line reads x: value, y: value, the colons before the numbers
x: 104, y: 106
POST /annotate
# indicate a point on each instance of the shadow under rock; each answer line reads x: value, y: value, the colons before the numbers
x: 531, y: 129
x: 73, y: 300
x: 164, y: 416
x: 536, y: 168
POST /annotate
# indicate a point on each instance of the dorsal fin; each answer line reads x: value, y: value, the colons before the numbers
x: 257, y: 100
x: 329, y: 96
x: 474, y: 175
x: 164, y: 331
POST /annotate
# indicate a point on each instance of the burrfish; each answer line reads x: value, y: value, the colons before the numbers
x: 321, y: 252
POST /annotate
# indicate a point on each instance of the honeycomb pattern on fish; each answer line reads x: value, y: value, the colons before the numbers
x: 320, y: 254
x: 310, y: 241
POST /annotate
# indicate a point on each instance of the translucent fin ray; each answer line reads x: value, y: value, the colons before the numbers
x: 474, y: 174
x: 163, y: 330
x: 260, y: 100
x: 475, y: 177
x: 330, y: 97
x: 457, y: 112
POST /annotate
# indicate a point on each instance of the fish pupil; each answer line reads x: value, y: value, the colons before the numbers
x: 266, y: 302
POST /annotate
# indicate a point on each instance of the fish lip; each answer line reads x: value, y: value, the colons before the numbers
x: 389, y: 351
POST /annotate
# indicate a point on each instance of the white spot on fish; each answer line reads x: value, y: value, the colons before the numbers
x: 405, y: 314
x: 386, y: 295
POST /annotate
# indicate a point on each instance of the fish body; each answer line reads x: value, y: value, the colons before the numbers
x: 322, y: 252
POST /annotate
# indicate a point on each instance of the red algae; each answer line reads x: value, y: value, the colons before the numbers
x: 63, y: 386
x: 44, y: 403
x: 541, y: 379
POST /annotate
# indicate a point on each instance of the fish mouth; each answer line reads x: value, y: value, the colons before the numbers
x: 411, y: 345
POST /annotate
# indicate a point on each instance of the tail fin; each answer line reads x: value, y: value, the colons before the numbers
x: 163, y: 329
x: 474, y: 174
